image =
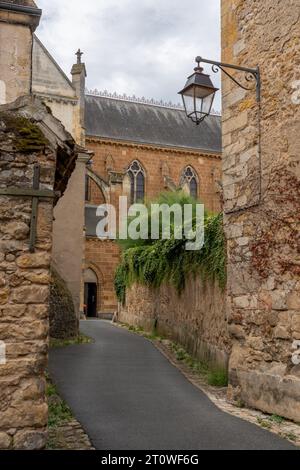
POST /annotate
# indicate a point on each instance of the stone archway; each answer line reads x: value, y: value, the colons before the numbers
x: 92, y: 274
x: 91, y: 293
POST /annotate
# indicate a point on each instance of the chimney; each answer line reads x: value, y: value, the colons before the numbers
x: 18, y: 21
x: 78, y: 79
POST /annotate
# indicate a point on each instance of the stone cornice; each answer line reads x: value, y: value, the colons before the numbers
x: 20, y: 14
x: 153, y: 147
x: 57, y: 98
x: 29, y: 10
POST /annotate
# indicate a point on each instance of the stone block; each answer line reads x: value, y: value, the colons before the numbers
x: 281, y: 332
x: 279, y: 300
x: 4, y: 295
x: 30, y: 440
x: 33, y: 294
x: 238, y: 47
x: 5, y: 441
x: 34, y: 260
x: 234, y: 230
x: 18, y: 230
x: 237, y: 331
x: 235, y: 123
x: 24, y: 414
x: 293, y: 300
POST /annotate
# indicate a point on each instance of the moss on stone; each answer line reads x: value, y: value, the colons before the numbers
x: 28, y: 137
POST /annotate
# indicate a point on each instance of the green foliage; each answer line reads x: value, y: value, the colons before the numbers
x: 152, y: 262
x: 217, y: 378
x: 213, y: 375
x: 263, y: 423
x: 140, y: 331
x: 276, y: 419
x: 169, y: 198
x: 290, y: 436
x: 59, y: 343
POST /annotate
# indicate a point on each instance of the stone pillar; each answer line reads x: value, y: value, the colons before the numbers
x: 262, y: 204
x: 18, y: 20
x: 29, y: 136
x: 24, y: 288
x: 68, y: 231
x: 78, y: 79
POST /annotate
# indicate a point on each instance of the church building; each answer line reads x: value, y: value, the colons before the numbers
x: 138, y: 148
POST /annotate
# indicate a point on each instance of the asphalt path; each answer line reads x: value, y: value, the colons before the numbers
x: 127, y: 396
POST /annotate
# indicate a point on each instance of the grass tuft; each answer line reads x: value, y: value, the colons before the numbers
x: 60, y: 343
x: 58, y: 411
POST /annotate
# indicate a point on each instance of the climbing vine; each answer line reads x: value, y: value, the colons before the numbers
x: 160, y: 261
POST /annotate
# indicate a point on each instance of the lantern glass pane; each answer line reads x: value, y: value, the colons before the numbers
x: 207, y: 103
x: 189, y: 104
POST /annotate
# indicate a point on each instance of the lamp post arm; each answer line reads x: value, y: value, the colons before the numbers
x: 250, y: 73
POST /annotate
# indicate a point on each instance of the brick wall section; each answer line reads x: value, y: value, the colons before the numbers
x: 195, y: 319
x: 263, y: 303
x: 102, y: 256
x: 157, y: 163
x: 24, y: 290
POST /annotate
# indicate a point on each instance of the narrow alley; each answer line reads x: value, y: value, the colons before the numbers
x: 128, y: 396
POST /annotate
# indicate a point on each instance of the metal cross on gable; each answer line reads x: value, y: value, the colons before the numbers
x: 79, y: 54
x: 35, y: 193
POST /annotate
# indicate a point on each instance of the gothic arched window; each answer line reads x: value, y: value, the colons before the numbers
x: 189, y: 178
x: 137, y: 182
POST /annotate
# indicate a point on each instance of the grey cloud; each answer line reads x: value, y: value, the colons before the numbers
x: 141, y: 47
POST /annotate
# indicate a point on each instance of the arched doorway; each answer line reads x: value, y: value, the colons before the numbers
x: 90, y: 293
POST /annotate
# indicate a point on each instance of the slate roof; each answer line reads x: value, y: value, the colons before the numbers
x: 130, y: 121
x: 19, y: 4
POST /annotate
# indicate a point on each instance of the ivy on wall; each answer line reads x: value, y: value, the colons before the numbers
x: 153, y: 262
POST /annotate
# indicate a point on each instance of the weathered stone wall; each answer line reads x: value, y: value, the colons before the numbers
x: 195, y: 319
x: 262, y: 204
x: 29, y: 136
x: 24, y: 281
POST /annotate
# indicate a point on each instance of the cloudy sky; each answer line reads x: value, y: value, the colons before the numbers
x: 141, y: 47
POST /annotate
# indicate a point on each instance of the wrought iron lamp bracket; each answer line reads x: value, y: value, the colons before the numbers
x: 250, y: 74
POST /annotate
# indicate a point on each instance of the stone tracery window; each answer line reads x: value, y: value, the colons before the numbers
x: 137, y: 182
x: 189, y: 178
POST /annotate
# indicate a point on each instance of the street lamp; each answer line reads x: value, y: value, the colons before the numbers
x: 199, y: 92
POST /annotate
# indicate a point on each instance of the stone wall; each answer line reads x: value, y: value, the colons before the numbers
x: 195, y: 319
x: 29, y: 136
x: 24, y: 293
x: 262, y: 204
